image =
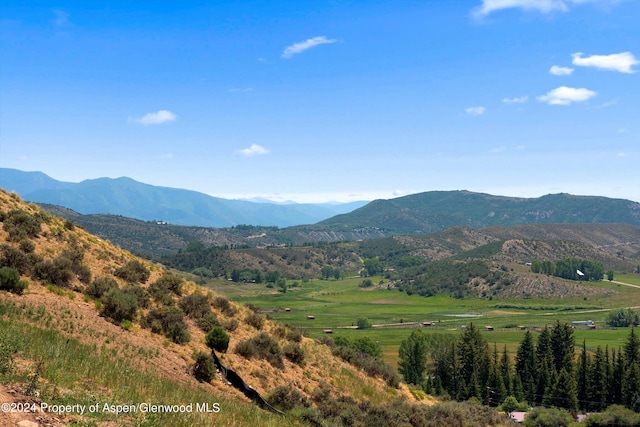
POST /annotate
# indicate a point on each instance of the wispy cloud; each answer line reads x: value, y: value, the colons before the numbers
x: 62, y: 17
x: 564, y: 95
x: 300, y: 47
x: 254, y: 150
x: 621, y: 62
x: 159, y: 117
x: 475, y: 111
x: 520, y: 100
x: 560, y: 71
x: 542, y: 6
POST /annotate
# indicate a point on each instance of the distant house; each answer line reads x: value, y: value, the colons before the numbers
x: 310, y: 317
x: 287, y: 309
x: 488, y: 328
x: 588, y: 323
x: 517, y: 416
x: 328, y: 331
x: 522, y: 327
x: 427, y: 323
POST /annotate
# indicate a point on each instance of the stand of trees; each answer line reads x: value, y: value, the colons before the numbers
x: 568, y: 269
x: 545, y: 372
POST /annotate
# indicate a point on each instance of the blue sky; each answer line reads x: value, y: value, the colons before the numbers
x: 326, y: 100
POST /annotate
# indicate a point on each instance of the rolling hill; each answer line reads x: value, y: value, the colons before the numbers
x: 437, y: 210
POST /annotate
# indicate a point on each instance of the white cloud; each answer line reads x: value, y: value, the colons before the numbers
x: 564, y: 95
x: 622, y: 62
x: 159, y: 117
x: 542, y: 6
x: 254, y: 150
x: 475, y: 111
x: 560, y: 71
x: 307, y: 44
x: 520, y: 100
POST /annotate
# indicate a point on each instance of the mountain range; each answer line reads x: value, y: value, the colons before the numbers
x: 127, y: 197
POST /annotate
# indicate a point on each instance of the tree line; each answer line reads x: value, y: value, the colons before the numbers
x: 568, y: 269
x: 544, y: 372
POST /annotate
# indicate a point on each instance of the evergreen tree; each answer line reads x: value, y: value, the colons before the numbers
x: 544, y: 372
x: 563, y: 346
x: 582, y: 375
x: 497, y: 391
x: 526, y: 367
x: 617, y: 375
x: 564, y: 393
x: 413, y: 357
x: 597, y: 382
x: 505, y: 371
x: 474, y: 361
x: 632, y: 348
x: 631, y: 387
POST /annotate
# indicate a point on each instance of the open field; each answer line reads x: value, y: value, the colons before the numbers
x: 337, y: 305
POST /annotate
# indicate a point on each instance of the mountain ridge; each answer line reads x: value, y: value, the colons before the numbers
x: 128, y: 197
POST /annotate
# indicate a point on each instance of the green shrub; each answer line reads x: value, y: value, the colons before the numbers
x: 217, y: 339
x: 160, y: 293
x: 255, y: 320
x: 614, y: 415
x: 294, y: 353
x: 171, y: 282
x: 118, y: 306
x: 230, y: 325
x: 14, y: 258
x: 170, y: 321
x: 548, y: 417
x: 246, y: 349
x: 140, y: 293
x: 223, y: 304
x: 100, y: 286
x: 208, y: 321
x: 10, y: 281
x: 195, y: 305
x: 178, y: 333
x: 133, y: 271
x: 21, y: 225
x: 27, y: 246
x: 364, y: 323
x: 294, y: 335
x: 55, y: 271
x: 287, y: 398
x: 261, y: 346
x: 204, y: 370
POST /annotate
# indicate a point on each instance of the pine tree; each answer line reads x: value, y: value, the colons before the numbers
x: 497, y: 390
x: 582, y: 375
x: 631, y: 387
x: 617, y: 375
x: 526, y: 367
x: 545, y: 372
x: 505, y: 370
x: 564, y: 393
x: 474, y: 361
x: 597, y: 382
x: 563, y: 346
x: 413, y: 357
x: 632, y: 348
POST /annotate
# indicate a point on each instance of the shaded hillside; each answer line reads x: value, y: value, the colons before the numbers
x: 92, y: 325
x: 437, y: 210
x: 127, y: 197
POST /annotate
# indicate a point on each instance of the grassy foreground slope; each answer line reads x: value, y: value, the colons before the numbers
x: 57, y: 348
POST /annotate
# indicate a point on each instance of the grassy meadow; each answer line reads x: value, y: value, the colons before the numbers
x: 337, y: 305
